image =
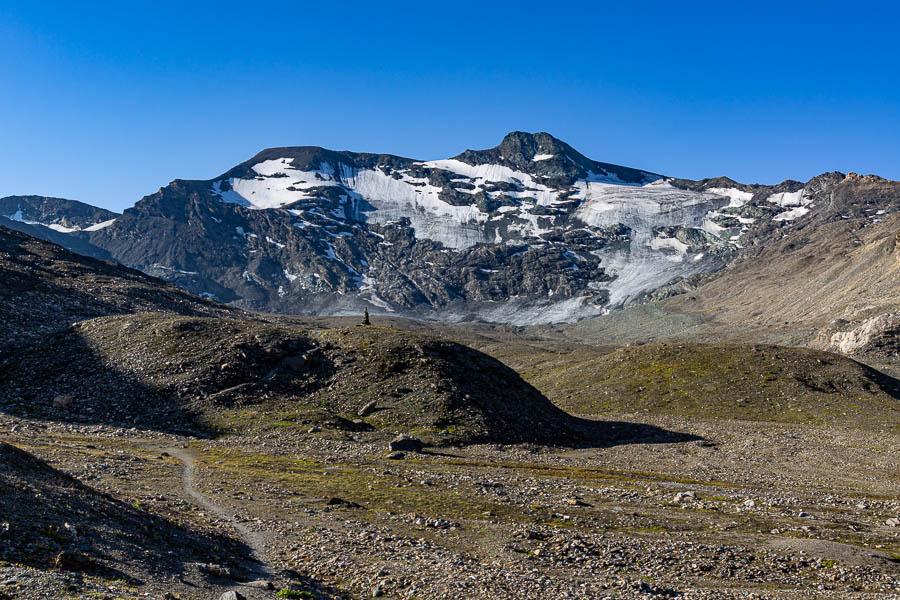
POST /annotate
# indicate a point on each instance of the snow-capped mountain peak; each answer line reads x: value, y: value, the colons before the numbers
x: 530, y: 231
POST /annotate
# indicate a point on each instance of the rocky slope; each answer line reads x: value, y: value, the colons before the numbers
x: 78, y: 528
x: 831, y: 281
x: 44, y: 288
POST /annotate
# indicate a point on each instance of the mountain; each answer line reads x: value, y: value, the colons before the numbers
x: 57, y: 214
x: 528, y: 232
x: 53, y: 219
x: 830, y: 281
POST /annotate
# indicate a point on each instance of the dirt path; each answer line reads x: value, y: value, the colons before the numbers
x: 254, y: 539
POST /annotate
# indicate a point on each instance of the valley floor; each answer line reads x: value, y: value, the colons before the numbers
x: 665, y: 508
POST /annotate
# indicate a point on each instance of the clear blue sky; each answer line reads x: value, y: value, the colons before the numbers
x: 107, y: 102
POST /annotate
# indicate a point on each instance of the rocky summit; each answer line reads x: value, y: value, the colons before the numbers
x: 528, y: 232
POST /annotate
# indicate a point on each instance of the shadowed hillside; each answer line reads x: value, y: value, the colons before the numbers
x: 44, y: 287
x: 46, y: 512
x: 181, y: 373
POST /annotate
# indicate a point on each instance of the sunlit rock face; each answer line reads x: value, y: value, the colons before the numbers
x: 530, y: 231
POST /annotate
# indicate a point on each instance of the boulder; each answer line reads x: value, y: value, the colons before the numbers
x: 214, y: 570
x: 368, y: 409
x: 262, y: 584
x: 63, y: 400
x: 70, y: 560
x: 343, y: 503
x: 297, y: 364
x: 576, y: 502
x: 406, y: 443
x: 685, y: 496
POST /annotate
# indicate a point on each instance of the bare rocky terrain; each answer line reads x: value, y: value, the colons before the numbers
x: 157, y: 445
x: 726, y: 509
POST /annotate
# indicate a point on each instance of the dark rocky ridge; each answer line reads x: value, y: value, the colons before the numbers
x: 518, y: 150
x: 44, y: 288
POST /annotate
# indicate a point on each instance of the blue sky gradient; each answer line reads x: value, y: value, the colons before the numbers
x: 105, y: 104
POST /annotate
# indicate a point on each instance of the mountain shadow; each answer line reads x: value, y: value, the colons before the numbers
x: 46, y: 512
x: 44, y: 288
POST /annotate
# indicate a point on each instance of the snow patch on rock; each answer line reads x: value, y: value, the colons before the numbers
x: 19, y: 217
x: 278, y: 184
x: 99, y: 226
x: 790, y: 215
x: 679, y: 247
x: 737, y: 197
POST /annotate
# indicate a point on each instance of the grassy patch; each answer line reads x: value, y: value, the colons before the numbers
x: 651, y: 529
x: 377, y: 492
x: 54, y: 534
x: 749, y: 382
x: 289, y: 593
x: 587, y: 474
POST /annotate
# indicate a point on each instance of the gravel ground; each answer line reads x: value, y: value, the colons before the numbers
x: 745, y: 510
